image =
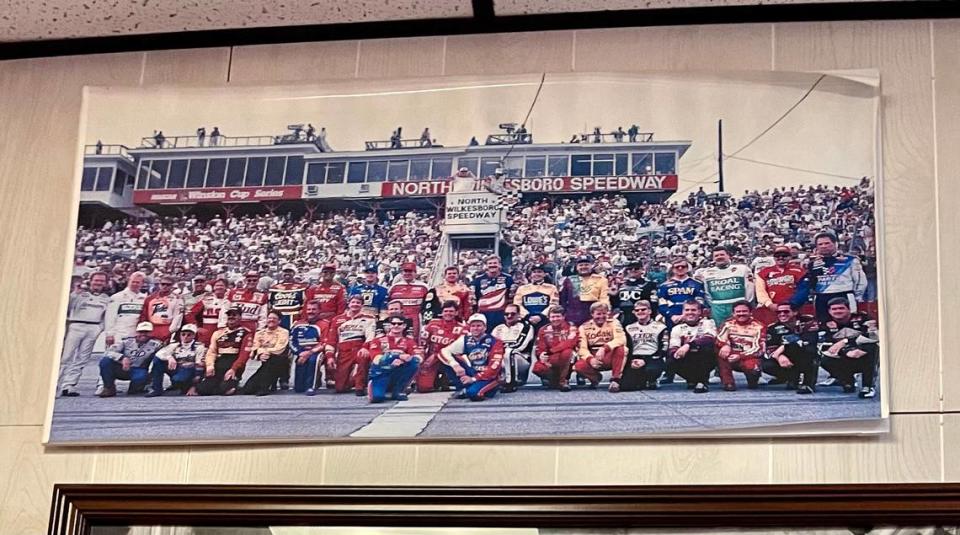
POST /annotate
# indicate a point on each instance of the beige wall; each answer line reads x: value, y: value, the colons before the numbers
x: 39, y: 111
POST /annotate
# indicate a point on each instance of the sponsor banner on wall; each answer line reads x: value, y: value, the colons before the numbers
x: 575, y: 184
x: 216, y: 195
x: 334, y: 191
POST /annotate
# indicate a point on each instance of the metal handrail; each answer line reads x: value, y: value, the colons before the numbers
x: 413, y: 143
x: 193, y: 142
x: 107, y: 150
x: 590, y: 137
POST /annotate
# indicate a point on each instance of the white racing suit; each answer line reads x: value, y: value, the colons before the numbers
x: 518, y: 345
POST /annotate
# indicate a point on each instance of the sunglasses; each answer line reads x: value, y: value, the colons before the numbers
x: 166, y: 284
x: 397, y: 323
x: 779, y: 312
x: 781, y: 255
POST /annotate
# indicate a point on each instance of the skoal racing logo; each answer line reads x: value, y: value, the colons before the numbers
x: 730, y: 284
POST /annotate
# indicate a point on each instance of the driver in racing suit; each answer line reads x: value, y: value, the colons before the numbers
x: 349, y: 333
x: 393, y: 362
x: 517, y: 337
x: 437, y: 334
x: 829, y: 275
x: 647, y: 341
x: 557, y: 344
x: 740, y: 347
x: 602, y: 347
x: 848, y: 344
x: 411, y: 294
x: 473, y: 361
x: 792, y: 350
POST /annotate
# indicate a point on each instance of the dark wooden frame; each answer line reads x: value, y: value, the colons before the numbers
x: 78, y: 508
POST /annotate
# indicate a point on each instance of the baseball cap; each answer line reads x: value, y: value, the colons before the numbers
x: 585, y: 259
x: 252, y: 273
x: 539, y: 267
x: 477, y: 317
x: 370, y: 268
x: 199, y: 277
x: 189, y: 328
x: 329, y: 267
x: 144, y: 327
x: 289, y: 267
x: 782, y: 249
x: 234, y: 309
x: 635, y: 265
x: 408, y: 265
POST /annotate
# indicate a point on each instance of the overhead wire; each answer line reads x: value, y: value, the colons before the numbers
x: 516, y: 139
x: 783, y: 116
x: 800, y: 169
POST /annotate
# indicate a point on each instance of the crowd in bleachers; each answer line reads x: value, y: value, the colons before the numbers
x: 225, y: 247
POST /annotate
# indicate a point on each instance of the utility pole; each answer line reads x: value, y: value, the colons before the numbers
x: 720, y: 153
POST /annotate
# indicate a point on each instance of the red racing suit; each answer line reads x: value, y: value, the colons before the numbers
x: 331, y: 296
x: 559, y: 346
x: 384, y: 344
x: 411, y: 296
x: 205, y: 314
x: 346, y: 337
x: 436, y: 335
x: 165, y: 313
x: 746, y: 342
x: 775, y: 285
x: 254, y: 307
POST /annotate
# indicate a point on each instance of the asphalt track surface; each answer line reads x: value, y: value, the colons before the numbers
x: 530, y: 412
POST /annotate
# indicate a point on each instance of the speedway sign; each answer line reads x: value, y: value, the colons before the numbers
x: 473, y: 202
x: 574, y: 184
x: 216, y: 195
x: 472, y: 208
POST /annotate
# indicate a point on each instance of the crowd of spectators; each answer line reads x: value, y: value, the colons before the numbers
x: 226, y: 247
x: 550, y: 232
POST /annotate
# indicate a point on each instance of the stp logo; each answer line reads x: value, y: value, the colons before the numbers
x: 239, y: 194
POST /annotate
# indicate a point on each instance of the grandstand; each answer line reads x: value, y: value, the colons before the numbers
x: 290, y: 175
x: 181, y: 171
x: 261, y: 201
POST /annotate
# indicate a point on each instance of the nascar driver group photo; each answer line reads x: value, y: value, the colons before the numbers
x: 794, y: 320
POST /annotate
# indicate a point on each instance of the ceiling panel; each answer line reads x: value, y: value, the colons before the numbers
x: 28, y: 20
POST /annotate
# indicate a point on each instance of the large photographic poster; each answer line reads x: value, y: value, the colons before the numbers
x: 547, y: 255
